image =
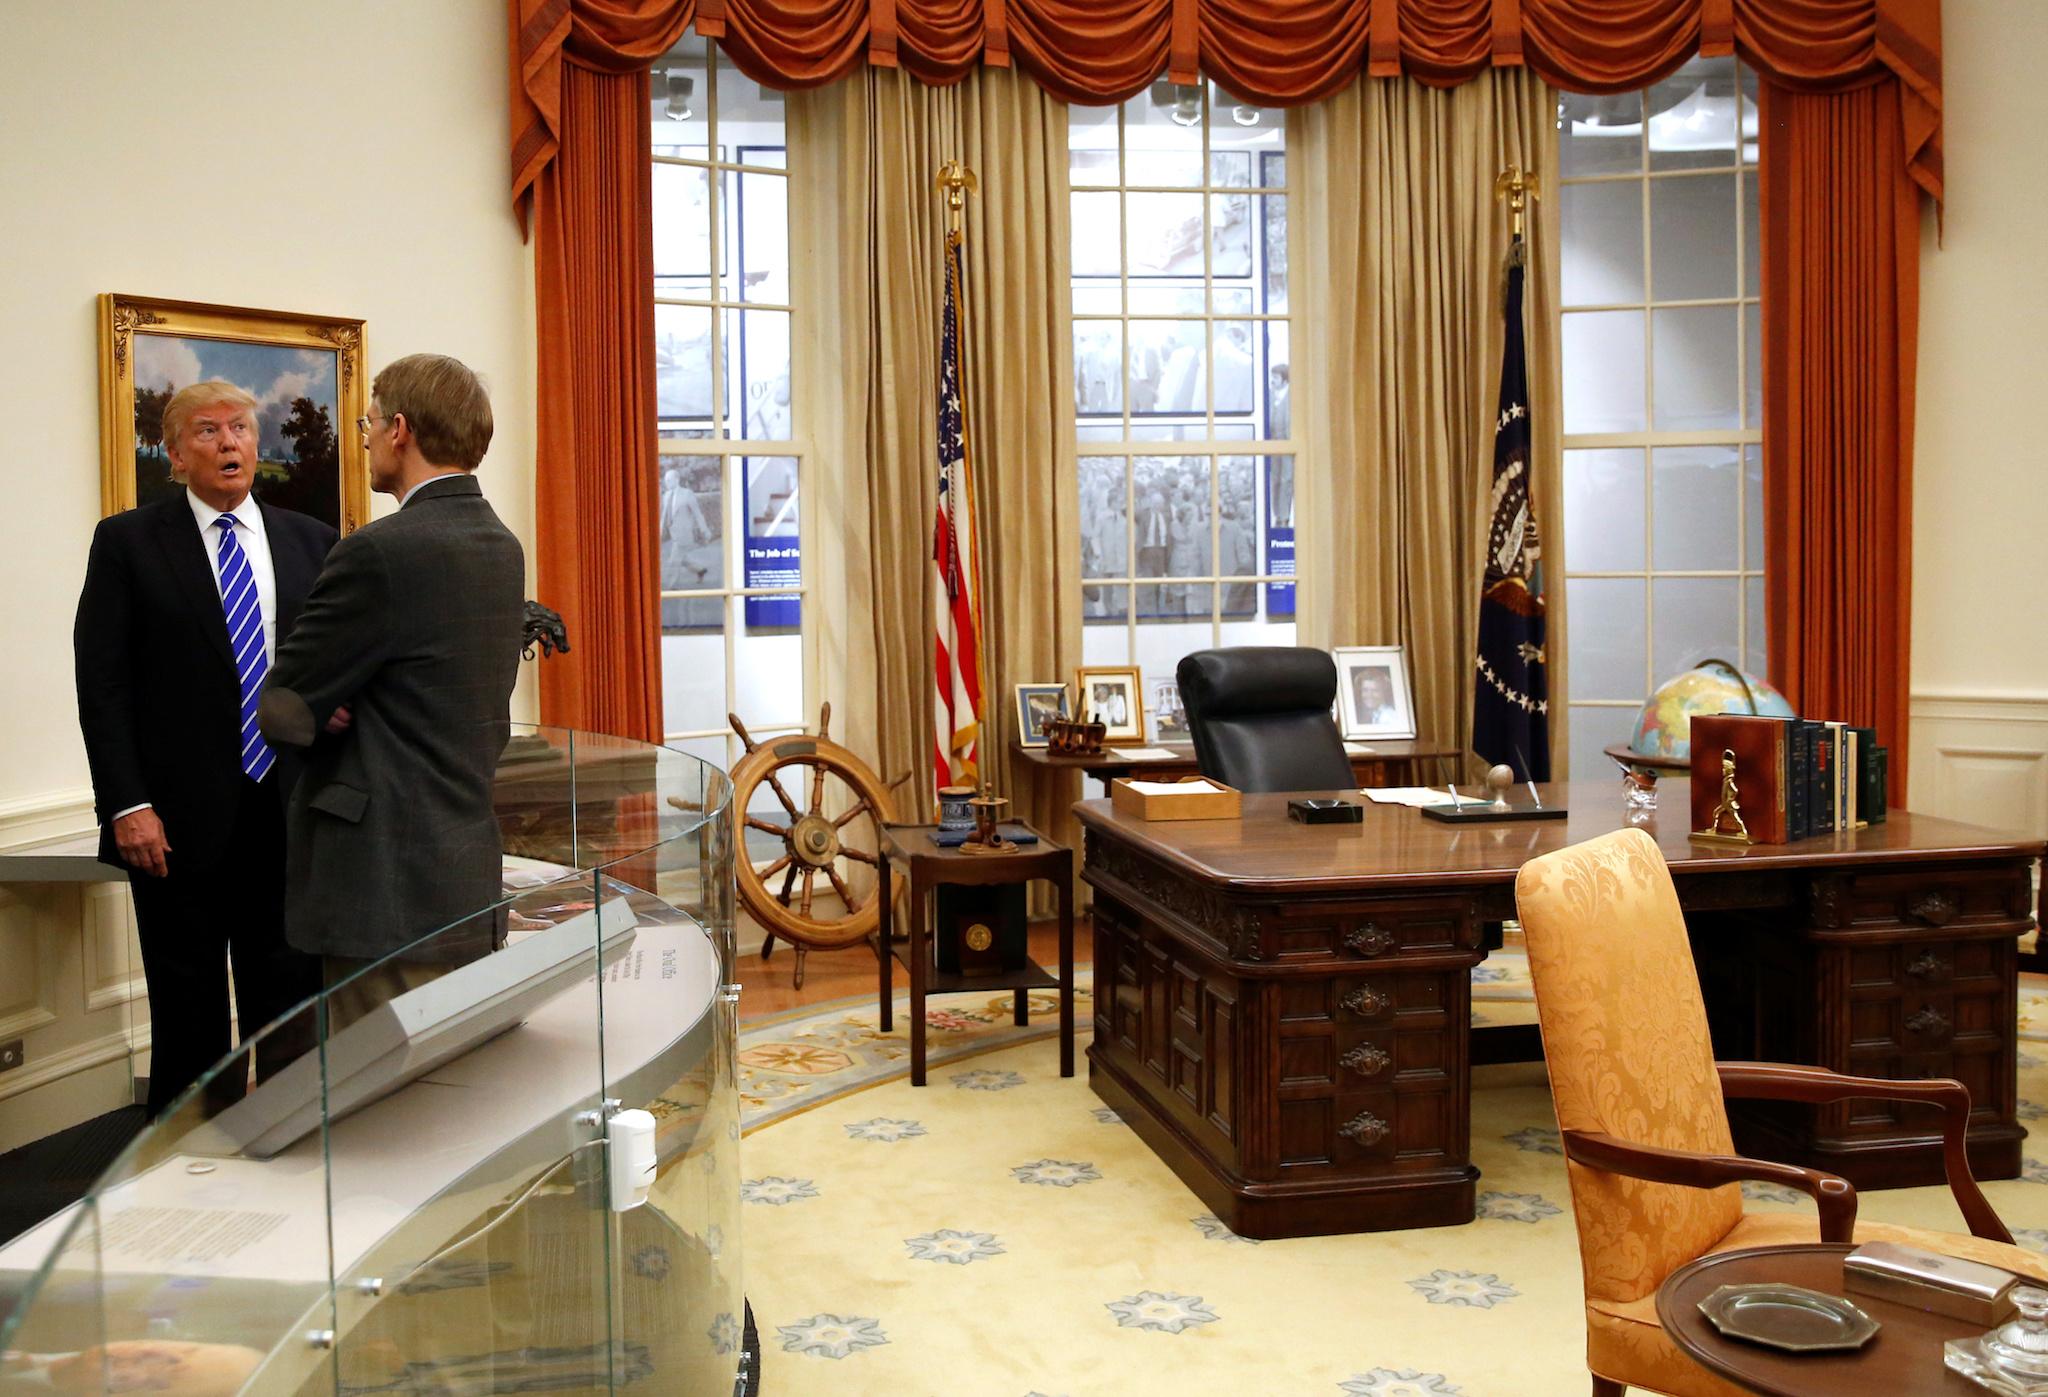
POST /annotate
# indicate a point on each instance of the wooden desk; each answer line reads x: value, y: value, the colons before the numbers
x: 1904, y: 1358
x: 929, y: 865
x: 1282, y: 1011
x: 1374, y: 763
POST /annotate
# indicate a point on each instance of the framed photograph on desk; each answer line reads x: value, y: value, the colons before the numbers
x: 1038, y: 704
x: 1373, y: 698
x: 1113, y: 698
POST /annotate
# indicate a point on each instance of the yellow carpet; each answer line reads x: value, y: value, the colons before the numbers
x: 1000, y: 1232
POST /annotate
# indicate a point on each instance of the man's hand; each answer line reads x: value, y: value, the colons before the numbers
x: 139, y: 835
x: 338, y: 721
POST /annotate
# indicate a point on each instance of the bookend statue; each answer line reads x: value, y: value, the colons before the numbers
x: 544, y: 629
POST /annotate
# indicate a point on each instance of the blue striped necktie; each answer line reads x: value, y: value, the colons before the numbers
x: 245, y: 637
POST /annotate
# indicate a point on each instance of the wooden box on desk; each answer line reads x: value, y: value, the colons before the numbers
x: 1219, y: 803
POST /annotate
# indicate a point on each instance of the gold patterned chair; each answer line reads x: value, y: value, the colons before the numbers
x: 1654, y: 1178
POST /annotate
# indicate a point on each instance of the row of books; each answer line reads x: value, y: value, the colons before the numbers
x: 1795, y: 777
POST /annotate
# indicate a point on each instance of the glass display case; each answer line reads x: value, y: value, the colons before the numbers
x: 451, y: 1188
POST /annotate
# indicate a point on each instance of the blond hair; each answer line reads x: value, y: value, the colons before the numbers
x: 190, y: 399
x: 444, y: 403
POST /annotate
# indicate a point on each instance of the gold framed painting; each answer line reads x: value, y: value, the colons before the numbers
x: 305, y: 372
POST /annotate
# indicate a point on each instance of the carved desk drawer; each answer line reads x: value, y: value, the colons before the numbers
x: 1954, y: 900
x: 1376, y: 932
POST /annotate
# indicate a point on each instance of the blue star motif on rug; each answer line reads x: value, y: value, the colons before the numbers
x: 1468, y: 1288
x: 2029, y: 1110
x: 1517, y: 1207
x: 1488, y: 974
x: 959, y: 1248
x: 1535, y: 1139
x: 829, y: 1336
x: 2033, y: 1171
x: 1212, y: 1227
x: 776, y: 1191
x: 652, y: 1263
x: 984, y: 1080
x: 885, y: 1131
x: 1108, y: 1116
x: 1757, y: 1191
x: 1056, y: 1173
x: 2032, y: 1238
x: 1161, y: 1310
x: 1400, y: 1382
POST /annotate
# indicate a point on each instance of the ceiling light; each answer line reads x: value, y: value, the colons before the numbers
x: 1245, y: 116
x: 1182, y: 104
x: 680, y: 86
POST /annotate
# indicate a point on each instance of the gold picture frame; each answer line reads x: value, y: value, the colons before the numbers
x: 306, y: 372
x: 1114, y: 696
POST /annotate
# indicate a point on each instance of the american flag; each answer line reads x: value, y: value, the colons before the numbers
x: 957, y: 645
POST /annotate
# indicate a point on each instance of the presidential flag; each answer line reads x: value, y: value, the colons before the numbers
x: 957, y: 647
x: 1511, y: 695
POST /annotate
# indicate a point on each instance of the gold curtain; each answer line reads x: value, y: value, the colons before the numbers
x: 873, y: 143
x: 1403, y: 247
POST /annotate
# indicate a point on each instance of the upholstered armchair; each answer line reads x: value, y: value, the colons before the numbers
x: 1260, y: 717
x: 1639, y: 1098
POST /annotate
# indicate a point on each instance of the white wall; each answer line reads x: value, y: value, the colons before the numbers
x: 1980, y: 516
x: 343, y: 159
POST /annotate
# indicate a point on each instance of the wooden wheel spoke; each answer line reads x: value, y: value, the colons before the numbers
x: 780, y: 831
x: 845, y: 893
x: 810, y: 879
x: 788, y: 882
x: 774, y: 868
x: 853, y: 853
x: 847, y: 818
x: 782, y: 795
x: 817, y: 788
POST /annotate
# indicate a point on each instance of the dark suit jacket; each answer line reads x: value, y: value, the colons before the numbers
x: 415, y: 624
x: 158, y: 700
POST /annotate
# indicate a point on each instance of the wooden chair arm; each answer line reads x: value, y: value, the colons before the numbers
x: 1834, y: 1196
x: 1815, y: 1086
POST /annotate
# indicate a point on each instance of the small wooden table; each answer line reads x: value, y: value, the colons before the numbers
x: 930, y: 865
x: 1372, y: 763
x: 1904, y: 1358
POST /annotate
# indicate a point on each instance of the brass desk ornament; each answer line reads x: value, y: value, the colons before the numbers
x: 1729, y: 808
x: 988, y: 836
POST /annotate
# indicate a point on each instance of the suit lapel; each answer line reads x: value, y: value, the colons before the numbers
x: 185, y: 554
x: 290, y: 566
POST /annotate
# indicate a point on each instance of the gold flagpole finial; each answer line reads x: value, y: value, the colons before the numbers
x: 1518, y: 187
x: 958, y: 181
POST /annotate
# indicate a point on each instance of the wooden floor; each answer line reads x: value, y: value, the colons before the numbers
x: 766, y: 988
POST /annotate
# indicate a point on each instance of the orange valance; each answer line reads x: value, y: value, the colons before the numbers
x: 1277, y: 52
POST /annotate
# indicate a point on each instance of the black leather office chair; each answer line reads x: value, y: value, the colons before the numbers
x: 1260, y: 717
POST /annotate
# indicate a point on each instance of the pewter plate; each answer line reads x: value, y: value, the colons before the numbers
x: 1788, y: 1317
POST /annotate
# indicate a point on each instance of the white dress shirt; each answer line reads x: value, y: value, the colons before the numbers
x: 256, y: 548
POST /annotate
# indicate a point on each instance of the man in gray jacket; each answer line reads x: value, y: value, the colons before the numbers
x: 397, y: 680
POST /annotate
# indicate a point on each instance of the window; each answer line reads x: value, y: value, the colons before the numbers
x: 1186, y: 469
x: 732, y: 458
x: 1663, y: 393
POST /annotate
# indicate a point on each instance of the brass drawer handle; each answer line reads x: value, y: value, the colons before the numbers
x: 1926, y: 966
x: 1929, y: 1021
x: 1366, y: 1128
x: 1366, y: 1061
x: 1936, y: 907
x: 1372, y: 939
x: 1366, y: 1002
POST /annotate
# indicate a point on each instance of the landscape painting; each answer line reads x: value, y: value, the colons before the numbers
x: 304, y: 372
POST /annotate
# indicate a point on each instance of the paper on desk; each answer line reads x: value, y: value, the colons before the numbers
x: 1417, y: 796
x: 1359, y: 749
x: 1175, y: 788
x: 1143, y: 754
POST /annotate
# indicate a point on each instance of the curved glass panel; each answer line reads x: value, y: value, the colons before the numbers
x: 419, y: 1180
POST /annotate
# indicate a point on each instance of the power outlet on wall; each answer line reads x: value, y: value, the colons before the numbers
x: 11, y: 1055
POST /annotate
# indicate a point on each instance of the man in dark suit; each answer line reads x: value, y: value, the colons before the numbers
x: 185, y: 604
x: 398, y: 677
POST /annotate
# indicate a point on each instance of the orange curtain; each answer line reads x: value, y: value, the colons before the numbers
x: 1841, y: 295
x: 593, y: 272
x: 1276, y: 52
